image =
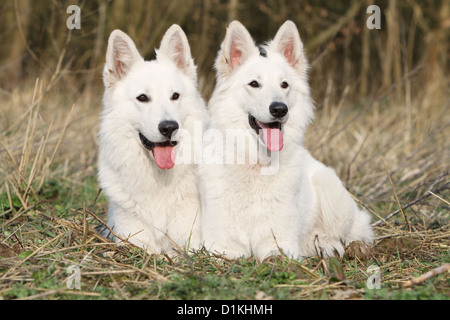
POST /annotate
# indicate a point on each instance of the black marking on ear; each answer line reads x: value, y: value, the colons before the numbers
x: 262, y: 51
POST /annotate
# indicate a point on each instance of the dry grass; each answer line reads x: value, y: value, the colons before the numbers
x: 390, y: 147
x: 49, y: 215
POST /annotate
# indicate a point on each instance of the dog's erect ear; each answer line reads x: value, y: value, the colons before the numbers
x: 235, y: 49
x: 175, y: 47
x: 120, y: 56
x: 287, y: 42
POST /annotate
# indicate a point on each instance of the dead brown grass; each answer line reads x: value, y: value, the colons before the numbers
x: 48, y: 149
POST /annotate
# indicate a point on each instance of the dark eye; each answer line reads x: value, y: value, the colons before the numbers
x: 175, y: 96
x: 254, y: 84
x: 284, y: 85
x: 143, y: 98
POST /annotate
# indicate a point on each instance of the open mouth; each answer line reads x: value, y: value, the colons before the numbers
x: 164, y: 152
x: 272, y: 134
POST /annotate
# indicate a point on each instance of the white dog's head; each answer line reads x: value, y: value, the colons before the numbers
x: 151, y: 97
x: 267, y: 83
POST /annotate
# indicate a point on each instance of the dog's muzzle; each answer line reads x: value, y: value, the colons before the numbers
x: 163, y: 152
x: 272, y: 134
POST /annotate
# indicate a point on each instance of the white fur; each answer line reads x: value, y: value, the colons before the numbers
x: 149, y: 206
x: 303, y: 209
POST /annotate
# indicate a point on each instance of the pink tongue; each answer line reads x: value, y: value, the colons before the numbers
x: 165, y: 156
x: 273, y: 138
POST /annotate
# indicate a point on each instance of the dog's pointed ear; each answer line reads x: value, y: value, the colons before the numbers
x: 120, y: 57
x: 287, y: 42
x: 237, y: 46
x: 175, y: 47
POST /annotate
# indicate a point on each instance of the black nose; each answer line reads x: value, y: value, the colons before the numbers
x: 278, y: 109
x: 167, y: 128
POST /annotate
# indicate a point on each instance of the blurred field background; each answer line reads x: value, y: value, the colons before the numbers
x: 382, y: 122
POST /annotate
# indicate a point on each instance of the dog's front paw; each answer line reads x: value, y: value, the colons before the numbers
x: 326, y: 247
x: 288, y: 251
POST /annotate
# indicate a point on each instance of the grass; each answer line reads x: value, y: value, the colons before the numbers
x: 49, y: 210
x: 384, y: 132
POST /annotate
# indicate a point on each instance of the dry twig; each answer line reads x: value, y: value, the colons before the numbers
x: 422, y: 278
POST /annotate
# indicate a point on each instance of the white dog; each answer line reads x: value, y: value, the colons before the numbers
x: 149, y: 107
x: 301, y: 208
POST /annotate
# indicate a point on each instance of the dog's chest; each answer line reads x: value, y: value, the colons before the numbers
x: 258, y: 194
x: 164, y: 193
